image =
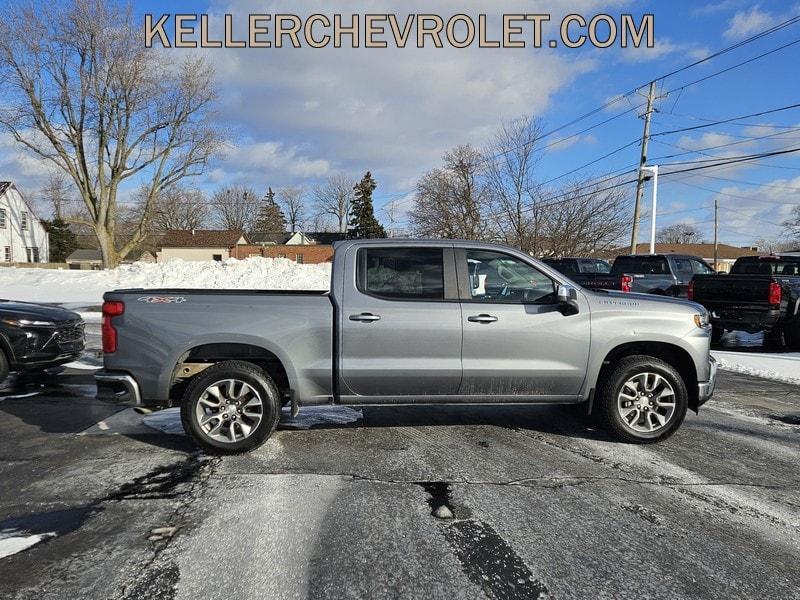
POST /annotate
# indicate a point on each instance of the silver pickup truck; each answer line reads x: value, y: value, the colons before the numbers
x: 407, y: 322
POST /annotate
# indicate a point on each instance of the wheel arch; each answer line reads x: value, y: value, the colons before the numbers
x: 671, y: 354
x: 192, y: 360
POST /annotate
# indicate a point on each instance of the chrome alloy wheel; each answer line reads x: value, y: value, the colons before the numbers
x: 646, y: 402
x: 229, y: 411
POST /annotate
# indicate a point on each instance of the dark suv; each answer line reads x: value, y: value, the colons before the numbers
x: 35, y: 337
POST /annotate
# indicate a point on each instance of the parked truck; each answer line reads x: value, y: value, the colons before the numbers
x: 661, y: 274
x: 592, y: 273
x: 407, y: 322
x: 761, y: 293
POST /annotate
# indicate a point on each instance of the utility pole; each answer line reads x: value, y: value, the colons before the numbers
x: 651, y: 96
x: 716, y: 229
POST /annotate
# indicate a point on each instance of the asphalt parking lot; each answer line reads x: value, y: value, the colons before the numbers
x: 542, y: 504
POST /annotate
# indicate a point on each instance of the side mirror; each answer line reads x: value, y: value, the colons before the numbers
x: 568, y: 300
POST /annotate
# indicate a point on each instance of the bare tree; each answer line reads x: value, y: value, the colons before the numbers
x: 792, y: 224
x: 56, y: 194
x: 178, y: 207
x: 510, y: 176
x: 451, y: 201
x: 292, y: 200
x: 334, y: 197
x: 585, y: 220
x: 83, y: 92
x: 679, y: 233
x: 235, y: 207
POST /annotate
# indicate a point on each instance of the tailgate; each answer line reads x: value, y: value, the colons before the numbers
x: 732, y: 290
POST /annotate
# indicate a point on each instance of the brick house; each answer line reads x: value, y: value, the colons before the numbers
x: 301, y: 254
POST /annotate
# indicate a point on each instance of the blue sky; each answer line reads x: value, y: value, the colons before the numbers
x: 297, y: 116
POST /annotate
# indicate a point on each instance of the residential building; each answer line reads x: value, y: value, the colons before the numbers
x: 199, y: 244
x: 301, y: 254
x: 727, y: 254
x: 297, y: 238
x: 23, y: 238
x: 91, y: 259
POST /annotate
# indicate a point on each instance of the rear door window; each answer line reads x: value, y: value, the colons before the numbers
x: 402, y: 273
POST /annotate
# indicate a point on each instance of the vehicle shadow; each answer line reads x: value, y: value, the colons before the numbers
x: 565, y: 420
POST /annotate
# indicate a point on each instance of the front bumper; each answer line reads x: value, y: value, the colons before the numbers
x: 116, y: 386
x: 705, y: 389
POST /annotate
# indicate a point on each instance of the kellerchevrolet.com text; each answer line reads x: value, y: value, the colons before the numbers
x: 385, y: 30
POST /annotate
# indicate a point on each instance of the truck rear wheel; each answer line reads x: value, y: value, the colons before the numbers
x: 792, y: 335
x: 230, y: 408
x: 642, y: 400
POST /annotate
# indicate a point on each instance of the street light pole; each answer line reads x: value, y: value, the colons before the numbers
x: 654, y: 170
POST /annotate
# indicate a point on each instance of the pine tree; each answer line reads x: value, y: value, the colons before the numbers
x: 363, y: 224
x: 63, y: 241
x: 270, y: 218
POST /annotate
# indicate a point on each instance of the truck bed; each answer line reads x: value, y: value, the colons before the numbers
x: 179, y: 325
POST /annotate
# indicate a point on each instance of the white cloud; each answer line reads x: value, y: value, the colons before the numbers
x: 747, y: 22
x: 389, y: 110
x: 664, y: 47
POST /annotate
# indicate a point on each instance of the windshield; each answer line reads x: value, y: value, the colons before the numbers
x: 642, y: 265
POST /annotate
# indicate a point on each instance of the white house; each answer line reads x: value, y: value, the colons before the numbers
x: 22, y: 236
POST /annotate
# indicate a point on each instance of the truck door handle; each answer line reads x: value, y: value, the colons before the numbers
x: 482, y: 318
x: 365, y: 317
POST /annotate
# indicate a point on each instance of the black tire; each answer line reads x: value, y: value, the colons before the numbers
x: 716, y: 334
x: 240, y: 371
x: 612, y: 384
x: 791, y: 334
x: 774, y: 338
x: 4, y: 368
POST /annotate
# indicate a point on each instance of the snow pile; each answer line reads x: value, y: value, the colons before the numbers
x: 779, y: 367
x: 68, y: 286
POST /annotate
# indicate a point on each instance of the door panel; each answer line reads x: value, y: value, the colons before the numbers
x: 516, y: 341
x: 413, y: 347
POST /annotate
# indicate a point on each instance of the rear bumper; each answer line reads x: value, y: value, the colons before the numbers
x: 705, y: 389
x: 116, y: 386
x: 745, y: 319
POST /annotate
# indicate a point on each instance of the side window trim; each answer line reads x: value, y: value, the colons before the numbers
x: 449, y: 272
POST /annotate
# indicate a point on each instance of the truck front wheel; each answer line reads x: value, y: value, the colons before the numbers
x: 230, y: 408
x: 643, y: 399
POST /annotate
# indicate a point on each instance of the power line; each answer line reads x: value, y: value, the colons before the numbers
x: 726, y: 194
x: 703, y: 150
x: 723, y: 121
x: 736, y: 66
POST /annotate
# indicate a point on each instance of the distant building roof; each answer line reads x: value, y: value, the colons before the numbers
x: 202, y: 238
x: 85, y: 255
x: 725, y: 251
x: 264, y: 237
x: 326, y: 237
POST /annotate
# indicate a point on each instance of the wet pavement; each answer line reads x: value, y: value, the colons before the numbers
x: 399, y: 502
x: 407, y: 502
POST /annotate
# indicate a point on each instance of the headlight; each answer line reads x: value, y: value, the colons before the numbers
x: 701, y: 320
x: 27, y: 323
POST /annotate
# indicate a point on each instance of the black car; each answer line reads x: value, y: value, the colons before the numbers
x: 35, y: 336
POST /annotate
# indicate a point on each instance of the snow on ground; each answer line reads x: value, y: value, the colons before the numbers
x: 12, y: 542
x: 87, y: 287
x: 780, y: 366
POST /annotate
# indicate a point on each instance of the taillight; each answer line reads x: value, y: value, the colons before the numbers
x: 626, y: 283
x: 110, y: 310
x: 690, y: 291
x: 774, y: 293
